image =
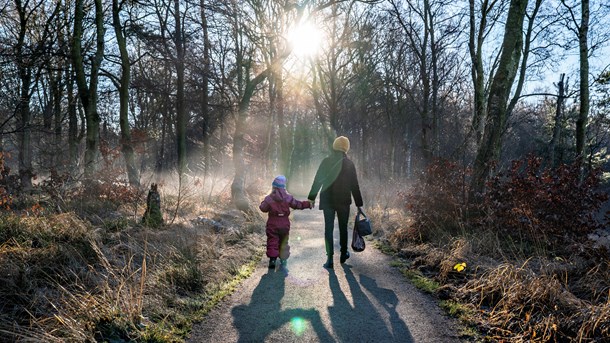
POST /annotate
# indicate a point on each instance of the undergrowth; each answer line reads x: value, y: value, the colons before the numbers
x: 517, y: 267
x: 86, y: 269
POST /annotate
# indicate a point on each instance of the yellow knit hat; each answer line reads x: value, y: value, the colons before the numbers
x: 341, y: 143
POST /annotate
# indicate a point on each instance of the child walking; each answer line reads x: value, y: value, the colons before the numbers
x: 278, y: 205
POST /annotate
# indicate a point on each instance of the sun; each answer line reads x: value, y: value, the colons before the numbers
x: 305, y: 39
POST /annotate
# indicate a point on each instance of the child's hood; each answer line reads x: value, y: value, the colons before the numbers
x: 280, y: 194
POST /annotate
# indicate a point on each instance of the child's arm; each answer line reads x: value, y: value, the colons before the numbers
x: 264, y: 206
x: 300, y: 205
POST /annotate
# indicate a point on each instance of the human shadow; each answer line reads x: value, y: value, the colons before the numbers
x: 388, y: 299
x: 264, y: 315
x: 363, y: 322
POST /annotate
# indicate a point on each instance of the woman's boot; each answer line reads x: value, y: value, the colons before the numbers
x: 329, y: 263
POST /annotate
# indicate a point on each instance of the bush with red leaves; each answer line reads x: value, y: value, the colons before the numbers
x: 544, y: 203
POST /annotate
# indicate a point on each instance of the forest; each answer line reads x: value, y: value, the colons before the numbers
x: 479, y: 129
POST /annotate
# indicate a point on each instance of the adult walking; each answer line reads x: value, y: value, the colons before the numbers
x: 337, y: 178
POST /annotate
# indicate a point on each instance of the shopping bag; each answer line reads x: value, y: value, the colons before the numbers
x: 357, y: 241
x: 362, y: 224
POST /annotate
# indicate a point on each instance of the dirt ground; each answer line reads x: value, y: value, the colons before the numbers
x: 363, y: 300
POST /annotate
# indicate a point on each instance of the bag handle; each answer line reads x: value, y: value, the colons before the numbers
x: 360, y: 212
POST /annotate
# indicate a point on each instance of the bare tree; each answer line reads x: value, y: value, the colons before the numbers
x: 479, y: 30
x: 88, y: 92
x: 29, y: 50
x: 123, y: 84
x: 428, y: 31
x: 207, y: 70
x: 558, y: 119
x: 581, y: 30
x: 497, y: 106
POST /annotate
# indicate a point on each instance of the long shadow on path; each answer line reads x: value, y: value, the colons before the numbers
x: 264, y: 315
x: 363, y: 322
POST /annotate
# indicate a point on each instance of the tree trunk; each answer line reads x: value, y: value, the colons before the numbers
x: 181, y: 118
x: 133, y: 174
x: 426, y: 131
x: 489, y: 151
x: 57, y: 123
x: 526, y: 51
x: 583, y: 113
x: 434, y: 53
x: 25, y: 132
x: 88, y: 93
x: 204, y: 93
x: 286, y: 130
x: 72, y: 122
x: 23, y: 106
x: 475, y: 46
x: 238, y: 192
x: 558, y: 122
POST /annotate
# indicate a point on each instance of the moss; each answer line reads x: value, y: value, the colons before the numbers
x: 456, y: 309
x: 153, y: 218
x: 384, y: 247
x: 420, y: 281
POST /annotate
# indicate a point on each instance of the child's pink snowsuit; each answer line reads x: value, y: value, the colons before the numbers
x: 278, y: 205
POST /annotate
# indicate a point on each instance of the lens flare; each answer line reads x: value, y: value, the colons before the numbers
x: 298, y: 325
x: 306, y: 39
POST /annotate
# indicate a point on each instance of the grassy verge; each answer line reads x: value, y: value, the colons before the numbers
x: 102, y: 276
x: 502, y: 289
x: 177, y: 326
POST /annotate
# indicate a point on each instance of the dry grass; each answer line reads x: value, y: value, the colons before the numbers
x: 525, y: 303
x: 511, y: 289
x: 101, y: 276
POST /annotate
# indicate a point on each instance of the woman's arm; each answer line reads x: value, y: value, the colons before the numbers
x: 355, y: 187
x: 317, y: 182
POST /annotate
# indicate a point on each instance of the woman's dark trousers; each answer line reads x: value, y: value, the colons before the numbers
x: 329, y: 224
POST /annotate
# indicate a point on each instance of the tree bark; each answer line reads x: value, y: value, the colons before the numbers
x: 204, y: 93
x: 583, y: 113
x: 434, y: 56
x: 133, y: 175
x: 73, y: 138
x: 475, y: 46
x: 489, y: 151
x: 558, y: 122
x: 526, y: 51
x: 181, y: 118
x: 57, y: 119
x: 88, y: 93
x: 23, y: 105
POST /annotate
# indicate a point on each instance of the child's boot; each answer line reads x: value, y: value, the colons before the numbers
x: 272, y: 262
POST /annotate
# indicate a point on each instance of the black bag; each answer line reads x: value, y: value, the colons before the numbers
x: 357, y: 241
x: 362, y: 224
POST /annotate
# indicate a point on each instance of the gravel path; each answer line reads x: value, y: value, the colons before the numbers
x: 364, y: 300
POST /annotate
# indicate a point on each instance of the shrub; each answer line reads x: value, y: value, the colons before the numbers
x: 7, y: 183
x: 544, y: 204
x: 439, y: 198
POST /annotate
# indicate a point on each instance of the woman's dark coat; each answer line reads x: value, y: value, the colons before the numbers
x: 337, y: 178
